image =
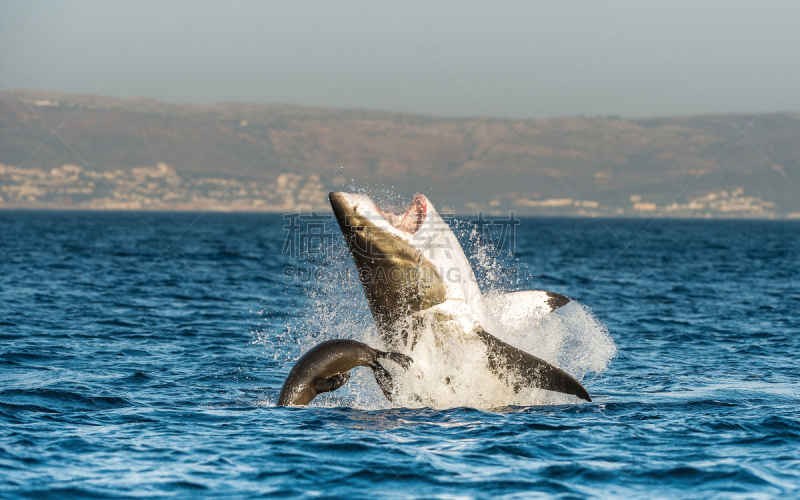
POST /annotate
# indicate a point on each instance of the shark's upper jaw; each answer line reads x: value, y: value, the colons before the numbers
x: 349, y: 207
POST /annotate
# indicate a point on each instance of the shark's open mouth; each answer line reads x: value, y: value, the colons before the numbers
x: 410, y: 221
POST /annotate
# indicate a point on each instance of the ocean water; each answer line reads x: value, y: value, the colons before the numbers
x: 141, y: 356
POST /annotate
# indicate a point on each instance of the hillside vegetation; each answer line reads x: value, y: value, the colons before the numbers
x: 601, y: 165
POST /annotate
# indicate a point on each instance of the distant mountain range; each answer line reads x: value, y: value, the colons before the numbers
x: 186, y: 156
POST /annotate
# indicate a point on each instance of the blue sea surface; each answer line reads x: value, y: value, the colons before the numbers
x: 133, y: 364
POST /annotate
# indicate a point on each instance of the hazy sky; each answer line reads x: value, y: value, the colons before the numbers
x: 511, y: 59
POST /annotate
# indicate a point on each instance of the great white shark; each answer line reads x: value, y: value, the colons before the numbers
x: 416, y: 277
x: 425, y: 300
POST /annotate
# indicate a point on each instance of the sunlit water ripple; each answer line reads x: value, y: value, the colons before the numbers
x: 130, y: 369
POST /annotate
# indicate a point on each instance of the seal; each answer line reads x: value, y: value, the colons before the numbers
x: 327, y: 366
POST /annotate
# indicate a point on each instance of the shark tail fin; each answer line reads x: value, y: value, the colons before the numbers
x: 526, y: 370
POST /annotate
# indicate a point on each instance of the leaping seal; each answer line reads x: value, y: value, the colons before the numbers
x: 327, y: 366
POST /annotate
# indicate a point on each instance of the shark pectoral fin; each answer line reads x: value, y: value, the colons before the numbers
x: 516, y: 308
x: 526, y: 370
x: 384, y: 379
x: 332, y: 383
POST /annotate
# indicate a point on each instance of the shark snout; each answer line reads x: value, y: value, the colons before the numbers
x: 338, y: 202
x: 342, y: 206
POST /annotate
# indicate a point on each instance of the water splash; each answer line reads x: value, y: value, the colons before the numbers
x: 449, y: 370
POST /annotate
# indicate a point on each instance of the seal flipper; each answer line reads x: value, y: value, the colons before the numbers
x: 528, y: 370
x: 400, y: 359
x: 382, y: 375
x: 384, y: 379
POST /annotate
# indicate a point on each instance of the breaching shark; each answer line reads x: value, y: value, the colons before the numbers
x: 423, y: 295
